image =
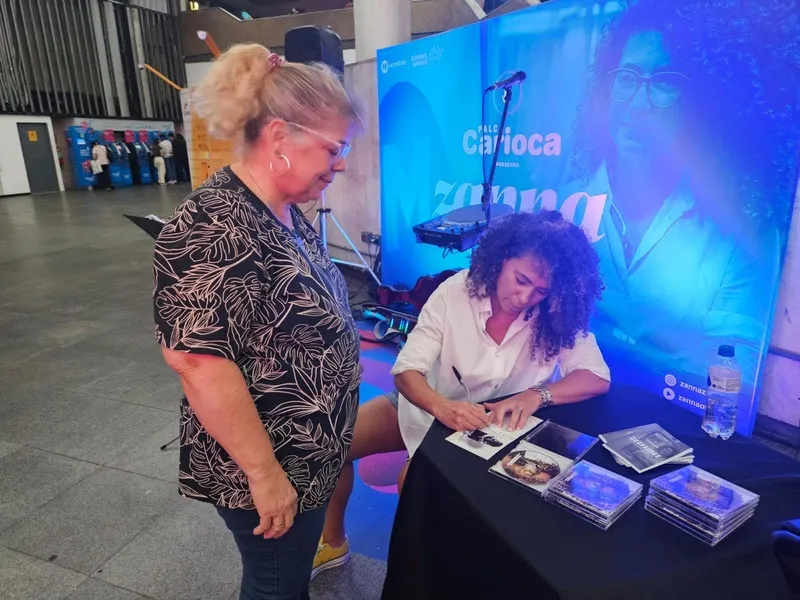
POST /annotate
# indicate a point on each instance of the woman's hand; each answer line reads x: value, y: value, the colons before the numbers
x: 518, y: 408
x: 276, y: 502
x: 462, y: 416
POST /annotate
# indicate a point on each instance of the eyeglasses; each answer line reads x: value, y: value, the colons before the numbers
x: 342, y: 148
x: 663, y: 89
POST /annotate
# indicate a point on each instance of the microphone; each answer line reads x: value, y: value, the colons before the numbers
x: 517, y: 77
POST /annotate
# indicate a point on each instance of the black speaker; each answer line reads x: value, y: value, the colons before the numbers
x: 310, y: 44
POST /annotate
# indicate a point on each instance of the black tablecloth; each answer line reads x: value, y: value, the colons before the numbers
x: 463, y: 533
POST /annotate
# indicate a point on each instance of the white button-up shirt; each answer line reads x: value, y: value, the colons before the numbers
x: 451, y: 332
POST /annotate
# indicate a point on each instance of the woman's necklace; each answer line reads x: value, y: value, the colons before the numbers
x: 321, y: 274
x: 263, y: 197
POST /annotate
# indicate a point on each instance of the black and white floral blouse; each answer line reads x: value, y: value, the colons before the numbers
x: 233, y: 281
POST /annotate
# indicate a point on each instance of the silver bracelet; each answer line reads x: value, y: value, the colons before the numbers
x: 545, y: 394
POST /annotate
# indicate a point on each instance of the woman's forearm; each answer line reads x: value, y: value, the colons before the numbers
x: 219, y: 397
x: 578, y: 386
x: 415, y: 388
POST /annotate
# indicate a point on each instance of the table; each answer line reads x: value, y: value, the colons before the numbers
x: 463, y: 533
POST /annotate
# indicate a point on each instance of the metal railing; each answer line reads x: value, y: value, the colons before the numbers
x: 80, y: 58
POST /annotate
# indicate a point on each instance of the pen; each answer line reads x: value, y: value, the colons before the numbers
x: 464, y: 385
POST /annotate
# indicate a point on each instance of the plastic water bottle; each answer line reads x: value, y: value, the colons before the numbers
x: 722, y: 401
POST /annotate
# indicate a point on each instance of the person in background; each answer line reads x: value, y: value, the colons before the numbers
x: 100, y: 154
x: 158, y: 163
x: 508, y: 324
x: 254, y: 316
x: 181, y: 158
x: 169, y: 158
x: 154, y: 151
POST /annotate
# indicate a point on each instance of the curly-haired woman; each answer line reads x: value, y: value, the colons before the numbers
x: 679, y: 95
x: 521, y: 311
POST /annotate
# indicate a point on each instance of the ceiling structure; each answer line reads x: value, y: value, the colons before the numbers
x: 227, y: 27
x: 271, y: 19
x: 272, y: 8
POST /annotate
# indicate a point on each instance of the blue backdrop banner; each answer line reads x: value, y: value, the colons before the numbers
x: 667, y: 130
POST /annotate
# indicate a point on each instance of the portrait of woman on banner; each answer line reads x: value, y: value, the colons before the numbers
x: 690, y: 129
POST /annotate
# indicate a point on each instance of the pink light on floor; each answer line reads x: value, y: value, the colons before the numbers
x: 380, y: 472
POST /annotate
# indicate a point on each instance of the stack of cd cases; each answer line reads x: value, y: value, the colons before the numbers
x: 594, y: 493
x: 699, y: 503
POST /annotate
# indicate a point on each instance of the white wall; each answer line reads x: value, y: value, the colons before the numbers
x: 780, y: 393
x: 13, y: 176
x: 195, y: 72
x: 786, y: 326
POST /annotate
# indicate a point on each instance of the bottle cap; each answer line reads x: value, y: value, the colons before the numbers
x: 727, y: 351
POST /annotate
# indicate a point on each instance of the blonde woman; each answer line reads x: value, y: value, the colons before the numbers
x: 100, y: 156
x: 254, y: 317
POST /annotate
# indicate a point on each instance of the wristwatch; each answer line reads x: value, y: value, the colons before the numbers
x: 545, y: 394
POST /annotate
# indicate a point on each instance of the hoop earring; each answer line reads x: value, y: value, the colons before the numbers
x: 288, y: 166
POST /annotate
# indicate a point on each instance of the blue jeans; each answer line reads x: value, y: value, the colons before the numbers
x: 170, y: 168
x: 275, y: 569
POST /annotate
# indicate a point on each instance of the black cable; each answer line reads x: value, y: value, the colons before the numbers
x: 388, y: 339
x: 378, y: 263
x: 305, y: 212
x: 480, y: 140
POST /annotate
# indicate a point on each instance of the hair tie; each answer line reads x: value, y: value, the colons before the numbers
x: 273, y: 60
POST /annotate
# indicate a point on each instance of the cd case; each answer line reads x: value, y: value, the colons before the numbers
x: 544, y: 455
x: 704, y: 493
x: 646, y: 447
x: 596, y: 490
x: 700, y: 503
x: 689, y: 524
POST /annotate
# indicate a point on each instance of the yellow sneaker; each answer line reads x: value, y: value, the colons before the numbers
x: 328, y: 557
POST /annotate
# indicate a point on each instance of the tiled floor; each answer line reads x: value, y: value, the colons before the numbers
x: 88, y: 502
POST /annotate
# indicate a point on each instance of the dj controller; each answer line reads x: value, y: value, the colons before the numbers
x: 460, y: 229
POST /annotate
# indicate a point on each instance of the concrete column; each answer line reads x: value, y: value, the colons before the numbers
x: 116, y: 60
x: 135, y: 22
x: 379, y: 24
x: 102, y: 56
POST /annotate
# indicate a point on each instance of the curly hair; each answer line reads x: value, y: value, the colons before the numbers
x: 743, y: 60
x: 575, y: 282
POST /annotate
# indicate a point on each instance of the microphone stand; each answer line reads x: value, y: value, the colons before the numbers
x: 486, y: 198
